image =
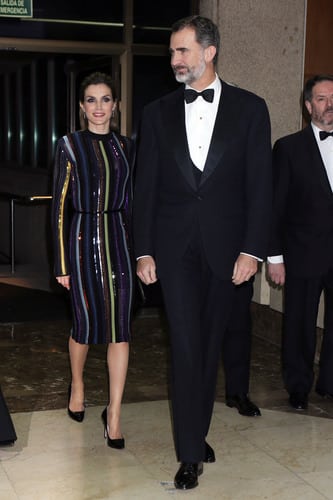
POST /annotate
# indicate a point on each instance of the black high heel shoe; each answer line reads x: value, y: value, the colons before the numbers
x: 118, y: 444
x: 78, y: 416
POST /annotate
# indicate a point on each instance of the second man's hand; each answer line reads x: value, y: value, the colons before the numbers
x: 277, y: 273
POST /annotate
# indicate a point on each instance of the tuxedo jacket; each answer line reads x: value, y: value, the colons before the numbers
x: 303, y: 206
x: 230, y: 208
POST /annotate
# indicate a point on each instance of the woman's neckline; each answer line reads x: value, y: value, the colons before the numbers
x: 97, y: 135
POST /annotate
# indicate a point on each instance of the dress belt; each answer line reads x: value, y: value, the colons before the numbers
x: 97, y: 212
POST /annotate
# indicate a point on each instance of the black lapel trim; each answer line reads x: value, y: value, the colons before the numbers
x: 222, y: 127
x: 173, y: 115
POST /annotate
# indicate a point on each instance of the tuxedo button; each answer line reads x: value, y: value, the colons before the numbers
x: 199, y: 198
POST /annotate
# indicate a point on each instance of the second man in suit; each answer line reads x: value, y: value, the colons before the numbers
x: 302, y: 243
x: 201, y: 220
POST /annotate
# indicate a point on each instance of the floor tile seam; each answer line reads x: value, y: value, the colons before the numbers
x: 296, y: 413
x: 297, y: 474
x: 304, y: 416
x: 262, y: 417
x: 167, y: 401
x: 313, y: 487
x: 10, y: 482
x: 147, y: 403
x: 101, y: 406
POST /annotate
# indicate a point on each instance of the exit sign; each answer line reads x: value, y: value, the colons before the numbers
x: 16, y: 8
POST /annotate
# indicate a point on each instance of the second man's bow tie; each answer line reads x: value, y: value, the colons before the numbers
x: 191, y: 95
x: 323, y: 135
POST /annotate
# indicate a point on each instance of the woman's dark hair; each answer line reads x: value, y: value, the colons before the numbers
x: 307, y: 93
x: 96, y: 79
x: 206, y: 32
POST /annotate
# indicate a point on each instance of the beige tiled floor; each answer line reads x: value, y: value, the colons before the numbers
x: 280, y: 455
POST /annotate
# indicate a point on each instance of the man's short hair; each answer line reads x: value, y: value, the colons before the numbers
x: 206, y: 32
x: 308, y: 87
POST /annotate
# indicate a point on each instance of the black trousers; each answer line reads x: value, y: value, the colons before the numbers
x: 7, y: 431
x: 236, y: 348
x: 198, y: 305
x: 299, y: 333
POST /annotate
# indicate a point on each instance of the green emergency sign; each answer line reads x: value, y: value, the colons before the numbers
x: 15, y: 8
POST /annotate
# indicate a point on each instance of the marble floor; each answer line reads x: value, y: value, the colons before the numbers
x: 282, y: 454
x: 279, y: 455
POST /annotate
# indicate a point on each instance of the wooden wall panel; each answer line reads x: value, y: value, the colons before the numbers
x: 319, y: 38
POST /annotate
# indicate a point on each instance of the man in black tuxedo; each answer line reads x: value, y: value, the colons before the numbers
x: 302, y: 243
x: 201, y: 220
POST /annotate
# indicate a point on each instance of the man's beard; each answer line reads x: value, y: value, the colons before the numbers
x: 191, y: 74
x: 323, y: 119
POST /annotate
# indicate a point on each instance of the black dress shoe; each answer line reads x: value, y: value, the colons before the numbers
x: 78, y: 416
x: 209, y: 454
x: 119, y: 443
x: 187, y: 476
x: 243, y: 405
x: 298, y: 400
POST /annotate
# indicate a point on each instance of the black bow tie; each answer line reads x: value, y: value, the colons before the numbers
x: 323, y: 134
x: 191, y: 95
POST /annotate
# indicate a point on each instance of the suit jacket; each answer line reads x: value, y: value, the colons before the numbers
x: 303, y: 206
x: 231, y: 206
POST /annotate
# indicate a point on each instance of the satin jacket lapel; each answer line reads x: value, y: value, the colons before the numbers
x: 173, y: 113
x: 316, y: 159
x: 220, y: 133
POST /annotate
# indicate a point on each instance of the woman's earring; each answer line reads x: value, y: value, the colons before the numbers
x: 84, y: 115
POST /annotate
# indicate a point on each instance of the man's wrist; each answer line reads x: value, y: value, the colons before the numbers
x: 275, y: 259
x: 253, y: 256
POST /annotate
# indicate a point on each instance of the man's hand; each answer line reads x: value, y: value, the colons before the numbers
x: 146, y: 270
x: 245, y: 267
x: 277, y: 273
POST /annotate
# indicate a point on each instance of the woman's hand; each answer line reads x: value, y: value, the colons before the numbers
x: 64, y: 281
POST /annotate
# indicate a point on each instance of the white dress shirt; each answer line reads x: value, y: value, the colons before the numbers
x: 326, y: 151
x: 200, y: 118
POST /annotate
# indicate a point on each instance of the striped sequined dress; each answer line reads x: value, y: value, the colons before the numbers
x: 92, y: 193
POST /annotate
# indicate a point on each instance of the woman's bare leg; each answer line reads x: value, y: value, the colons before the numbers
x: 117, y: 358
x: 78, y: 355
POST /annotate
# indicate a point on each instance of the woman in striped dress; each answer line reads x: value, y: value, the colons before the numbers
x: 91, y: 212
